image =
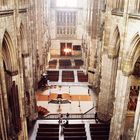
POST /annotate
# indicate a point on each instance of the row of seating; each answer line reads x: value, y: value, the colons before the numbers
x: 82, y: 77
x: 65, y: 64
x: 99, y: 131
x: 48, y: 132
x: 67, y: 76
x: 53, y: 64
x: 75, y: 132
x: 78, y: 62
x: 53, y: 76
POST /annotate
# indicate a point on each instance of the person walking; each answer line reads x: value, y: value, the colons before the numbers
x: 67, y: 116
x: 96, y: 118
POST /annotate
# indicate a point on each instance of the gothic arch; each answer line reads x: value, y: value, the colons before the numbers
x: 9, y: 86
x: 134, y: 51
x: 8, y: 52
x: 132, y: 57
x: 114, y: 45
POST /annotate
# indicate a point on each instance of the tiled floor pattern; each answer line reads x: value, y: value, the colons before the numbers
x: 81, y: 99
x: 52, y: 96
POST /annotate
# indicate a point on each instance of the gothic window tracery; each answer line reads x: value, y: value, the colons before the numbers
x: 137, y: 6
x: 119, y: 5
x: 66, y: 23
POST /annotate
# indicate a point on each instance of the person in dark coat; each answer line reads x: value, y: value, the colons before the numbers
x: 96, y: 118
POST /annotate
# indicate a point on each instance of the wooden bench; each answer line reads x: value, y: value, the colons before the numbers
x: 67, y: 76
x: 75, y: 125
x: 99, y: 125
x: 64, y: 63
x: 47, y: 133
x: 53, y: 75
x: 48, y: 125
x: 78, y: 62
x: 53, y: 64
x: 74, y: 133
x: 75, y: 137
x: 99, y: 137
x: 48, y: 129
x: 99, y: 132
x: 74, y: 129
x: 47, y: 138
x: 82, y: 77
x: 99, y: 128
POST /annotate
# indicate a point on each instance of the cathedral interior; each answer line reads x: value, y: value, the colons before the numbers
x: 69, y: 70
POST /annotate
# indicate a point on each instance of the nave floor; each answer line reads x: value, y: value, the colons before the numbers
x: 82, y: 99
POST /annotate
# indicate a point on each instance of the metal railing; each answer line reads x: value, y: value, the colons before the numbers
x: 71, y: 116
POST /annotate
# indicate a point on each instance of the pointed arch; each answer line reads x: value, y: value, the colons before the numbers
x: 8, y: 52
x: 115, y: 41
x: 134, y: 50
x: 133, y: 45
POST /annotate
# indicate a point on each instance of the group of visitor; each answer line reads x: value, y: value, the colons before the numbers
x: 62, y: 122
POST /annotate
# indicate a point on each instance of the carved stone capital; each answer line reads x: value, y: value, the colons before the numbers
x: 25, y: 55
x: 127, y: 67
x: 112, y: 53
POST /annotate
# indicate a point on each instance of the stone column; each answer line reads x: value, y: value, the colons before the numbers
x: 3, y: 130
x: 4, y: 98
x: 60, y: 76
x: 107, y: 89
x: 120, y: 106
x: 75, y: 76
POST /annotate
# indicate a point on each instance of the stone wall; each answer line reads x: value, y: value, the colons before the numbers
x: 120, y: 41
x: 23, y: 26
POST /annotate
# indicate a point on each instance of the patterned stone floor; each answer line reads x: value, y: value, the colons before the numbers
x: 81, y: 97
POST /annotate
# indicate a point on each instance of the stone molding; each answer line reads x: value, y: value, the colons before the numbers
x: 10, y: 12
x: 6, y: 12
x: 24, y: 55
x: 117, y: 12
x: 112, y: 53
x: 23, y: 10
x: 127, y: 67
x: 12, y: 73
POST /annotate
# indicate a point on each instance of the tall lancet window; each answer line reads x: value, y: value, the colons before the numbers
x: 137, y: 6
x: 118, y: 5
x: 66, y: 23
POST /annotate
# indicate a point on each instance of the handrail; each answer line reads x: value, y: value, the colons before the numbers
x: 71, y: 116
x: 89, y: 110
x: 85, y: 115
